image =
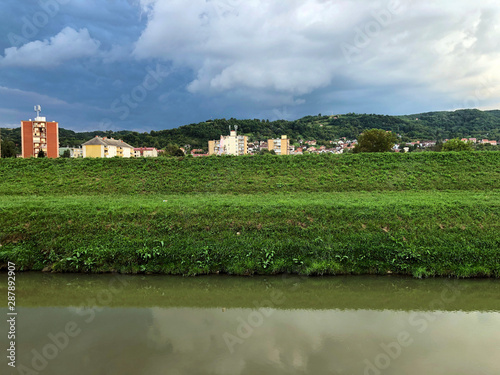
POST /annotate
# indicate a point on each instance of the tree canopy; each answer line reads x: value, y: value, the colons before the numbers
x: 457, y: 145
x: 8, y: 149
x: 375, y: 140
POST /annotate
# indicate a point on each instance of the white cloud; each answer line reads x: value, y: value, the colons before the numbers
x: 69, y: 44
x: 296, y: 47
x: 254, y: 44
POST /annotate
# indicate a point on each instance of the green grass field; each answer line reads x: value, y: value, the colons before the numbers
x: 252, y: 174
x: 421, y: 215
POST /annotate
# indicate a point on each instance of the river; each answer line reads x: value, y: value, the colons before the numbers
x: 119, y: 324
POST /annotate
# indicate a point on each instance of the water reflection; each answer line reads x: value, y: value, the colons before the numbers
x: 207, y: 341
x: 225, y: 338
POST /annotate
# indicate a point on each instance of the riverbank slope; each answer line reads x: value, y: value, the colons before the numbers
x: 433, y: 214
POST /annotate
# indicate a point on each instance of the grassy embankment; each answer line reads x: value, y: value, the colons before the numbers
x: 417, y: 214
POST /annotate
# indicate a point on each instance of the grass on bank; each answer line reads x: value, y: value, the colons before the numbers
x: 252, y: 174
x: 422, y: 233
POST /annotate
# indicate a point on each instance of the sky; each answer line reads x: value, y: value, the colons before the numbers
x: 147, y: 65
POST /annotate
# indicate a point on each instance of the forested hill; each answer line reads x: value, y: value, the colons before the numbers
x: 424, y: 126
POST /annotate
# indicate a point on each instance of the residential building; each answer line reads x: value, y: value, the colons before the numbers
x: 197, y: 152
x: 485, y: 141
x: 74, y: 152
x: 232, y: 144
x: 105, y: 147
x: 280, y: 146
x: 39, y: 135
x: 145, y: 152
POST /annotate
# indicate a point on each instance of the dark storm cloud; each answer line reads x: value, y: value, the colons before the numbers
x: 154, y: 64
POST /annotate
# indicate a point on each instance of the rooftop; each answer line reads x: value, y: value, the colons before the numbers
x: 98, y: 141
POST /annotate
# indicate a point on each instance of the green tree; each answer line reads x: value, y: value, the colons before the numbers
x: 438, y: 147
x: 457, y: 145
x: 178, y: 152
x: 375, y: 140
x: 171, y: 149
x: 8, y: 149
x: 66, y: 154
x: 41, y: 154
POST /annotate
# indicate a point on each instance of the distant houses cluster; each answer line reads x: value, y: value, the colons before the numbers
x: 42, y: 137
x: 479, y: 141
x: 234, y: 144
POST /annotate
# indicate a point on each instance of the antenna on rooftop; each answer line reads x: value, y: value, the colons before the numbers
x: 38, y: 109
x: 235, y: 128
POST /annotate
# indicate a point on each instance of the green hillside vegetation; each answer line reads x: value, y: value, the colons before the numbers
x: 427, y: 126
x: 252, y: 174
x: 421, y: 214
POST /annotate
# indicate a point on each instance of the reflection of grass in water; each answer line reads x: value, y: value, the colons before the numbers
x: 416, y: 233
x: 339, y: 292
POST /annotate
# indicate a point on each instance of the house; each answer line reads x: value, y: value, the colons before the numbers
x: 74, y: 152
x: 197, y: 152
x: 145, y: 152
x: 105, y: 147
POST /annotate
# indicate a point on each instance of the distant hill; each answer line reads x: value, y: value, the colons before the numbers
x: 422, y: 126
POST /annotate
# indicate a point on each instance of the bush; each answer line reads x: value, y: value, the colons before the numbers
x: 457, y: 145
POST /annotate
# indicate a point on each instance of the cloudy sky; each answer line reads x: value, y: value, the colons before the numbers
x: 157, y: 64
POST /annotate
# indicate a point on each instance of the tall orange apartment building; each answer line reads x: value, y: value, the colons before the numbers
x: 39, y: 135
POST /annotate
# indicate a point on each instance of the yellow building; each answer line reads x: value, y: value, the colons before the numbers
x: 106, y: 148
x: 280, y: 146
x: 232, y: 144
